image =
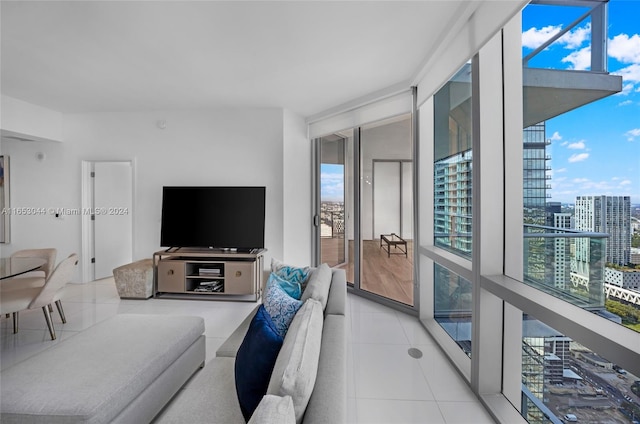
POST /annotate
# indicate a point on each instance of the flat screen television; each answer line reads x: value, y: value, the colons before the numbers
x: 213, y: 217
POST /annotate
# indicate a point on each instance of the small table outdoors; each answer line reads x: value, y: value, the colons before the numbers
x: 395, y: 241
x: 10, y: 267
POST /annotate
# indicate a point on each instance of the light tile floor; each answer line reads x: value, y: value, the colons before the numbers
x: 384, y: 383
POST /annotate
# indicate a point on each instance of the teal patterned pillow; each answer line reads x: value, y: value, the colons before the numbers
x: 290, y: 273
x: 292, y: 288
x: 280, y: 305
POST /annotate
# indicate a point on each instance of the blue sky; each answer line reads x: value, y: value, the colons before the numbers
x: 595, y: 149
x: 332, y: 182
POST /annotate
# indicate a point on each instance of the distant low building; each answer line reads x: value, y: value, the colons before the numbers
x: 627, y: 279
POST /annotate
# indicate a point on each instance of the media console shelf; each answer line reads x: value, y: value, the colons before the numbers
x: 181, y: 273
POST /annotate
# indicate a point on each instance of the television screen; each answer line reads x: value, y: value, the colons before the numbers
x: 215, y: 217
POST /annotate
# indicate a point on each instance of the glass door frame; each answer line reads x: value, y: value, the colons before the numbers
x: 354, y: 286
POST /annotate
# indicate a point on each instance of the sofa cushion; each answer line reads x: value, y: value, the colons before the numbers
x: 255, y: 359
x: 318, y: 285
x: 296, y: 368
x: 291, y: 273
x: 274, y: 410
x: 280, y: 306
x: 331, y: 384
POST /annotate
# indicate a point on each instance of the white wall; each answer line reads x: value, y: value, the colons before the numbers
x: 296, y: 213
x: 203, y: 147
x: 19, y: 118
x: 389, y: 141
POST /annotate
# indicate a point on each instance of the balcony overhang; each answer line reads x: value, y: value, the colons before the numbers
x: 549, y: 92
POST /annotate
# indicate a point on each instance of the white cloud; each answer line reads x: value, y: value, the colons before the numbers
x: 630, y: 73
x: 574, y: 39
x: 625, y: 182
x: 625, y: 49
x: 578, y: 145
x: 578, y: 157
x: 534, y: 37
x: 625, y: 103
x: 580, y: 180
x: 564, y: 143
x: 579, y: 59
x: 632, y: 134
x: 561, y: 170
x: 556, y: 136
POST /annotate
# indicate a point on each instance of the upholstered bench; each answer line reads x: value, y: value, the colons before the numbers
x: 122, y: 370
x: 135, y: 280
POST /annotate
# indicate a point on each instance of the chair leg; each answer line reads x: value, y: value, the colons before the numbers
x: 61, y: 311
x: 15, y: 322
x: 47, y: 317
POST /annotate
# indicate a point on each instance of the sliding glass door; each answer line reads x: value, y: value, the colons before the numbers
x: 334, y: 219
x: 365, y: 224
x: 386, y: 186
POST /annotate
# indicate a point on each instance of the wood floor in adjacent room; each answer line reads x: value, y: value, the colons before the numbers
x: 388, y: 276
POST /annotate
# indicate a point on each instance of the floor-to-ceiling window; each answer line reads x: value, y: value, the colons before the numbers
x: 365, y: 203
x: 543, y: 290
x: 452, y: 208
x: 580, y: 159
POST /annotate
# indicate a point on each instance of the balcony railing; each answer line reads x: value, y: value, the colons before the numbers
x: 597, y: 15
x: 568, y: 264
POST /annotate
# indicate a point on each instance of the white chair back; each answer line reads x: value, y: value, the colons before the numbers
x: 48, y: 254
x: 56, y: 282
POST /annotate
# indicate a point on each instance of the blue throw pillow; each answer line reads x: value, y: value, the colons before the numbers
x: 255, y: 360
x: 292, y: 288
x: 290, y: 273
x: 280, y: 306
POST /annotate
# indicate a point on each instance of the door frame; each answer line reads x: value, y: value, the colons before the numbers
x: 355, y: 161
x: 87, y: 192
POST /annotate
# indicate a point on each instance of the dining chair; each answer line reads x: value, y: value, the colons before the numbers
x: 14, y: 301
x: 34, y: 278
x: 48, y: 254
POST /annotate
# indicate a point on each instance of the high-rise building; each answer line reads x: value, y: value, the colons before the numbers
x: 611, y: 215
x: 552, y: 209
x: 535, y: 174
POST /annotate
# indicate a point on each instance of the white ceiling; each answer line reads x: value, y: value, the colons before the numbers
x: 306, y: 56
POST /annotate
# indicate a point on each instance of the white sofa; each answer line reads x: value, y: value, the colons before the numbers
x: 122, y: 370
x: 210, y: 397
x: 128, y: 368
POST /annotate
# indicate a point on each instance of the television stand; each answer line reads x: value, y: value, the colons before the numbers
x: 203, y: 273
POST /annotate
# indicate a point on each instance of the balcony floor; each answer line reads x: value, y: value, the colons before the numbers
x: 387, y: 276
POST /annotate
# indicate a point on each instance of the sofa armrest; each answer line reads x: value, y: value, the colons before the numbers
x: 230, y: 347
x: 336, y: 305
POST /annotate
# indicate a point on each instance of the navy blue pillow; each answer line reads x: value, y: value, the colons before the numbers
x: 255, y: 360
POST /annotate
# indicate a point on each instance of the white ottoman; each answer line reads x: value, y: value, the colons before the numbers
x: 135, y: 280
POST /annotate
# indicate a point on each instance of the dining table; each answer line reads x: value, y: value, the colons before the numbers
x: 12, y: 267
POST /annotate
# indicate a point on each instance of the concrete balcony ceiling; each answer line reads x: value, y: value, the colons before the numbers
x: 548, y: 93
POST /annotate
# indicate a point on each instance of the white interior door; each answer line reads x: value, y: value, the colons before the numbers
x: 112, y: 205
x: 386, y: 198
